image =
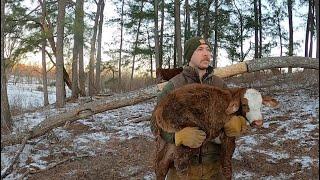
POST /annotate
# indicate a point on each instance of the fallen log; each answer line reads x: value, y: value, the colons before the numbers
x: 82, y: 111
x: 263, y: 64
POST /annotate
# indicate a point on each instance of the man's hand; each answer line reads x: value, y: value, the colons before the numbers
x: 235, y: 126
x: 190, y: 136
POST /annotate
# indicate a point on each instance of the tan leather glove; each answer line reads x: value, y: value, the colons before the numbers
x: 235, y: 126
x: 190, y: 136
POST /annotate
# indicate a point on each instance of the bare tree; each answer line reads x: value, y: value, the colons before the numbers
x: 98, y: 64
x: 161, y: 35
x: 82, y: 78
x: 93, y: 51
x: 44, y: 64
x: 290, y: 53
x: 256, y: 29
x: 177, y: 26
x: 60, y: 90
x: 121, y: 39
x: 6, y: 121
x: 76, y: 47
x: 156, y: 35
x: 316, y: 2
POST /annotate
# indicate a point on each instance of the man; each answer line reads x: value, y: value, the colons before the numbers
x: 197, y: 53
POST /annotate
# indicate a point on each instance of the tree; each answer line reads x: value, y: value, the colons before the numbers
x: 93, y: 50
x: 6, y: 121
x: 98, y: 64
x: 60, y: 90
x: 317, y: 27
x: 177, y: 26
x: 121, y: 40
x: 256, y: 29
x: 77, y: 29
x: 44, y: 64
x: 156, y: 35
x: 290, y: 53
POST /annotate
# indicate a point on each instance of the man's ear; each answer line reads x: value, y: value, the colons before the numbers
x: 233, y: 107
x: 269, y: 101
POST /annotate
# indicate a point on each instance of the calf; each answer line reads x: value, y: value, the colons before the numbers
x: 206, y: 107
x: 167, y: 74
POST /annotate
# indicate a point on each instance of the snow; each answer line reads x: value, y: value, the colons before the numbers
x: 296, y: 118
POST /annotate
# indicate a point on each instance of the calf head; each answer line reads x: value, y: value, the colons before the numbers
x: 248, y: 103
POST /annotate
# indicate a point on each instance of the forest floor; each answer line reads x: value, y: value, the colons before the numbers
x: 111, y: 145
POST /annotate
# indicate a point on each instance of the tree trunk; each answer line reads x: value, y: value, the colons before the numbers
x: 187, y: 22
x: 177, y: 26
x: 317, y: 27
x: 206, y: 26
x: 156, y: 36
x: 6, y: 121
x: 256, y: 30
x: 98, y: 65
x: 44, y: 75
x: 60, y: 90
x: 311, y: 28
x: 280, y: 34
x: 44, y: 63
x: 290, y: 53
x: 198, y: 18
x: 161, y: 35
x: 48, y: 29
x: 149, y: 45
x: 76, y: 47
x: 82, y: 89
x: 136, y: 45
x: 216, y: 34
x: 306, y: 44
x: 93, y: 51
x: 260, y: 30
x: 120, y: 49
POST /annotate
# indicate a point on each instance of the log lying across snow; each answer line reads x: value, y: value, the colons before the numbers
x: 82, y: 111
x: 91, y: 108
x: 263, y: 64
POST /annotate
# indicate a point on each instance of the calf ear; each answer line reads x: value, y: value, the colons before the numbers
x: 269, y: 101
x: 233, y: 107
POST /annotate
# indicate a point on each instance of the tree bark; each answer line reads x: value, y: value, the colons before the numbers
x: 77, y: 33
x: 260, y: 30
x: 316, y: 2
x: 161, y: 35
x: 198, y: 9
x: 216, y: 34
x: 82, y: 78
x: 6, y: 121
x: 156, y: 36
x: 136, y: 45
x: 93, y: 51
x: 256, y: 30
x: 44, y: 64
x: 120, y: 49
x: 60, y: 90
x: 290, y: 53
x: 98, y: 65
x: 48, y: 29
x: 177, y: 26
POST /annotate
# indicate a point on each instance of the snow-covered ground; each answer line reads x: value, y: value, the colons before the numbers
x: 295, y: 121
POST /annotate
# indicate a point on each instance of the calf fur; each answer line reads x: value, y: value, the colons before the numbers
x: 203, y: 106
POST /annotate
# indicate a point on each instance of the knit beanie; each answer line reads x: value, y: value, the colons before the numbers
x: 191, y: 45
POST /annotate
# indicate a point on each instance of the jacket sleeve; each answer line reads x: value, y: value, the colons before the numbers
x: 168, y: 137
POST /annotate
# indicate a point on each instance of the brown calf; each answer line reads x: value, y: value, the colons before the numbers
x: 167, y: 74
x: 206, y: 107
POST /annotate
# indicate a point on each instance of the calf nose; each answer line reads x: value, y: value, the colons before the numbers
x: 257, y: 123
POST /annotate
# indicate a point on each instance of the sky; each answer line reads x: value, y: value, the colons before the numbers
x: 112, y: 32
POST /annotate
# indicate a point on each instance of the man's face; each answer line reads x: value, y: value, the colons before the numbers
x: 201, y: 57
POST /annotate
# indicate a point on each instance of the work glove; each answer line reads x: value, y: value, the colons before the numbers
x: 235, y: 126
x: 190, y: 136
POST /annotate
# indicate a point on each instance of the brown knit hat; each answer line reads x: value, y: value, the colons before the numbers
x: 191, y: 45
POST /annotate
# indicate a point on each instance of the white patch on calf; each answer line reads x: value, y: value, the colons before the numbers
x: 254, y: 102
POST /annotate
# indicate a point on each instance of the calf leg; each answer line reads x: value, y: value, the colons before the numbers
x: 227, y: 150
